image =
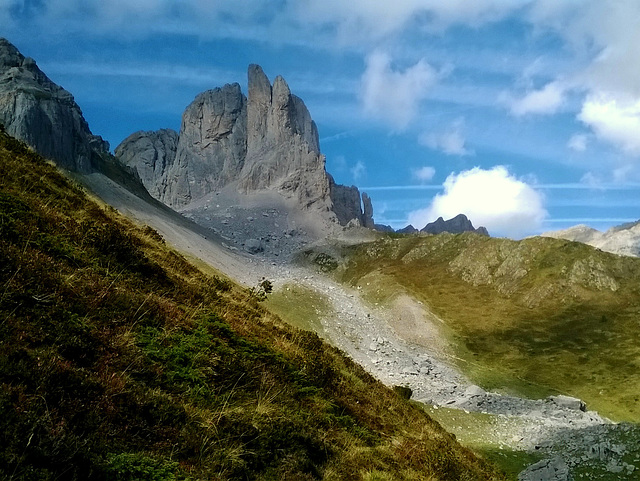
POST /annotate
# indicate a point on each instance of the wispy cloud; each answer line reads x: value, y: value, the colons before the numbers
x: 393, y: 96
x: 544, y: 101
x: 159, y: 71
x: 450, y: 141
x: 578, y: 142
x: 423, y: 174
x: 359, y: 170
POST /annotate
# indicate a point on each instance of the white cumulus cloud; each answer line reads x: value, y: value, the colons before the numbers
x: 423, y: 174
x: 614, y: 120
x: 392, y: 95
x: 493, y: 198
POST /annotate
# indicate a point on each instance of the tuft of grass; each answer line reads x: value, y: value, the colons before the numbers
x: 120, y: 360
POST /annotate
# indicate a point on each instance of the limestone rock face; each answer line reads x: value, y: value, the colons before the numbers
x: 266, y: 141
x: 282, y: 144
x: 367, y: 215
x: 151, y: 154
x: 43, y: 114
x: 457, y: 225
x: 212, y: 145
x: 346, y: 202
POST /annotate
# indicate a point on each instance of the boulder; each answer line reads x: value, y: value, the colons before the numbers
x: 554, y: 469
x: 568, y: 402
x: 253, y: 246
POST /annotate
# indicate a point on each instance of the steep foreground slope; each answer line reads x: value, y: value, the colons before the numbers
x: 119, y: 360
x: 535, y: 317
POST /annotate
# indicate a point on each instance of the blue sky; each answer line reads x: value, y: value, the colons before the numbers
x: 524, y: 115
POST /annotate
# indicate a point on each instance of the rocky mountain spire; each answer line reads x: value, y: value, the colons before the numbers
x: 266, y: 141
x: 44, y: 115
x: 282, y: 144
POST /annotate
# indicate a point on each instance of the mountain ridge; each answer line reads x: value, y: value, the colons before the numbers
x: 265, y: 141
x: 622, y: 239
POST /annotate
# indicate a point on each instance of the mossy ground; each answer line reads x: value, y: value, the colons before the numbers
x: 120, y: 360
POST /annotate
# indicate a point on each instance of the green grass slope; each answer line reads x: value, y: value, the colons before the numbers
x: 119, y: 360
x: 536, y: 316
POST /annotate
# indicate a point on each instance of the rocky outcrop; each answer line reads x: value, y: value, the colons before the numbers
x: 457, y: 225
x: 346, y: 204
x: 623, y: 239
x: 151, y: 154
x: 212, y: 145
x: 367, y: 214
x: 283, y: 150
x: 43, y: 114
x: 266, y: 141
x: 554, y: 469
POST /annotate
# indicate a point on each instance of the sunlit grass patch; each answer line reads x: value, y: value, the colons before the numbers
x: 299, y: 306
x: 537, y: 316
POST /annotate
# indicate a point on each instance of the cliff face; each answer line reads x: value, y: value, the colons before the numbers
x: 151, y: 154
x: 43, y: 114
x: 212, y: 145
x: 266, y: 141
x: 283, y: 151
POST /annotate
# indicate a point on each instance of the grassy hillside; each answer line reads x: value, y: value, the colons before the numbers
x: 121, y: 361
x: 535, y: 316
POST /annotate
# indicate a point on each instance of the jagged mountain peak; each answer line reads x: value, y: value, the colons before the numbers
x: 623, y: 239
x: 265, y: 141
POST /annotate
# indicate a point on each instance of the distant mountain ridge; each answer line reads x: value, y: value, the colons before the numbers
x: 456, y: 225
x: 264, y: 141
x: 623, y: 239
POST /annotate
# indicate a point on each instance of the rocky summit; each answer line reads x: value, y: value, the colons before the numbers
x: 264, y: 142
x: 457, y: 225
x: 623, y: 239
x: 44, y: 115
